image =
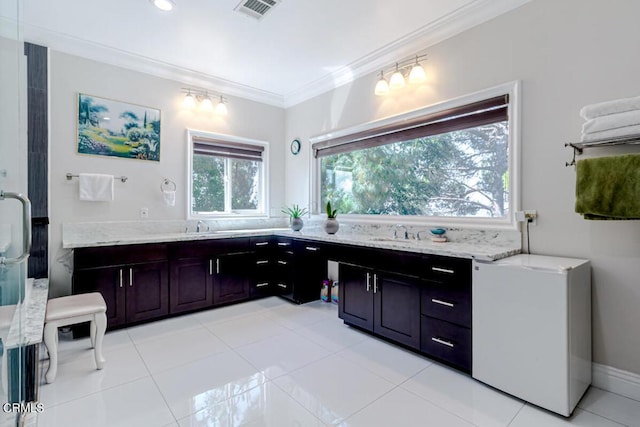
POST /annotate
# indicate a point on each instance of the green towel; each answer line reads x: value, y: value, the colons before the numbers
x: 608, y: 188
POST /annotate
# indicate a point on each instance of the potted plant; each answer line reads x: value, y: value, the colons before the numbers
x: 295, y: 216
x: 331, y: 226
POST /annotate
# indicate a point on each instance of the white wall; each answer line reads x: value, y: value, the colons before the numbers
x: 70, y: 75
x: 567, y: 54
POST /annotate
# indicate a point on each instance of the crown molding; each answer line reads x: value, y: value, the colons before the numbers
x: 120, y: 58
x: 456, y: 22
x: 463, y: 18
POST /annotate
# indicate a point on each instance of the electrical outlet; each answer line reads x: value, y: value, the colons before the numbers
x: 144, y: 213
x: 531, y: 216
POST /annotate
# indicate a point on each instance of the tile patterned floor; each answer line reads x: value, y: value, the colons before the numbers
x: 271, y: 363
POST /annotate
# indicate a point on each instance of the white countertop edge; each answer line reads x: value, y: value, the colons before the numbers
x: 481, y: 251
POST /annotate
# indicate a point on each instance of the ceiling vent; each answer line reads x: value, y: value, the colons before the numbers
x: 256, y: 8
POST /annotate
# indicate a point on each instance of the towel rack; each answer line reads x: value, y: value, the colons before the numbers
x: 121, y: 178
x: 579, y: 147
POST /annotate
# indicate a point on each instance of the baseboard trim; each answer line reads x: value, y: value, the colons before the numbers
x: 616, y: 381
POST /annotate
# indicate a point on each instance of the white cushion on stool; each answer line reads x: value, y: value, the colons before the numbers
x: 74, y: 306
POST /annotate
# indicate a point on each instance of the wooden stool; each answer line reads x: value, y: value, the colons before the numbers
x: 71, y: 310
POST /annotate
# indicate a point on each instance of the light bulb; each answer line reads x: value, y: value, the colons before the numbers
x: 189, y: 101
x: 206, y: 104
x: 396, y: 81
x: 165, y: 5
x: 221, y: 108
x: 382, y: 87
x: 417, y: 74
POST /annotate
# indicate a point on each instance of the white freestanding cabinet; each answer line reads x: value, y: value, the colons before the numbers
x: 532, y: 328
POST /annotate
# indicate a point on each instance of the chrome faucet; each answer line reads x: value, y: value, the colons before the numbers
x: 395, y: 232
x: 418, y: 234
x: 200, y: 225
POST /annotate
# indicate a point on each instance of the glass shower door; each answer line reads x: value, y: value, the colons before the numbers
x: 15, y: 216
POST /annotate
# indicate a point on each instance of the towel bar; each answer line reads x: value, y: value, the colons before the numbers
x: 121, y: 178
x: 578, y: 147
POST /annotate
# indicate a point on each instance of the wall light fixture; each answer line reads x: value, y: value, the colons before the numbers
x: 202, y: 99
x: 409, y: 69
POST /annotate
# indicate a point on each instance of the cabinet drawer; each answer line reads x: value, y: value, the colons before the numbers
x: 118, y: 255
x: 445, y: 269
x: 447, y: 301
x: 261, y: 287
x: 261, y: 244
x: 446, y: 341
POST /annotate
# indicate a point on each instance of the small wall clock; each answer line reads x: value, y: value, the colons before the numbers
x: 295, y: 147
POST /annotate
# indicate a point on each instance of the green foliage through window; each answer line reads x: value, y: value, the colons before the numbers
x: 456, y: 174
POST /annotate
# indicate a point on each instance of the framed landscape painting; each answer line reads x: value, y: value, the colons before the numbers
x: 118, y: 129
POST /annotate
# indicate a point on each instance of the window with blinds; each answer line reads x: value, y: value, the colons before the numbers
x: 448, y: 163
x: 227, y: 175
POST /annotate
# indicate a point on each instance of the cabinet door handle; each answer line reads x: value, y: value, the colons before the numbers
x: 282, y: 285
x: 262, y: 243
x: 131, y: 277
x: 262, y: 262
x: 368, y: 282
x: 210, y: 267
x: 442, y: 270
x: 375, y: 283
x: 312, y: 248
x: 283, y: 244
x: 439, y: 301
x: 443, y: 342
x: 262, y: 285
x: 217, y: 265
x: 282, y: 262
x: 120, y: 277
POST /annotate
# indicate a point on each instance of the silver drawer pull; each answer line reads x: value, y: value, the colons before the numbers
x: 262, y: 285
x: 441, y: 341
x: 262, y: 262
x: 282, y: 262
x: 262, y: 243
x: 282, y: 285
x: 311, y: 248
x: 442, y: 270
x: 283, y: 244
x: 439, y: 301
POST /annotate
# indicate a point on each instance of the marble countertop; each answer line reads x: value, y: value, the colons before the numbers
x: 484, y: 245
x: 28, y: 318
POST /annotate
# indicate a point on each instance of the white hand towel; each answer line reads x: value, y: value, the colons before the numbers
x: 169, y: 197
x: 612, y: 121
x: 610, y: 107
x: 96, y: 187
x: 613, y: 133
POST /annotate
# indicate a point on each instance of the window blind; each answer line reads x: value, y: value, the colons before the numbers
x: 219, y: 148
x: 458, y: 118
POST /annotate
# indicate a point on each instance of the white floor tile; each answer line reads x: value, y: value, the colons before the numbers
x: 136, y: 404
x: 612, y: 406
x: 281, y: 354
x: 179, y: 348
x: 386, y: 360
x: 81, y: 378
x: 264, y: 405
x: 531, y: 416
x: 162, y: 328
x: 201, y: 384
x: 333, y: 335
x: 401, y: 408
x: 463, y: 396
x: 333, y: 388
x: 247, y: 329
x: 297, y: 316
x: 271, y: 303
x: 230, y: 312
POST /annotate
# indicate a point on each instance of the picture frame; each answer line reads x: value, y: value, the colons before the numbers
x: 106, y: 127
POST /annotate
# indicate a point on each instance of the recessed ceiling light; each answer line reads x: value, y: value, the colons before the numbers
x: 166, y: 5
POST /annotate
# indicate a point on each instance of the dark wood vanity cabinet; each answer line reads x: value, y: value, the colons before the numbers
x: 261, y: 282
x: 384, y: 303
x: 132, y: 279
x: 420, y: 301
